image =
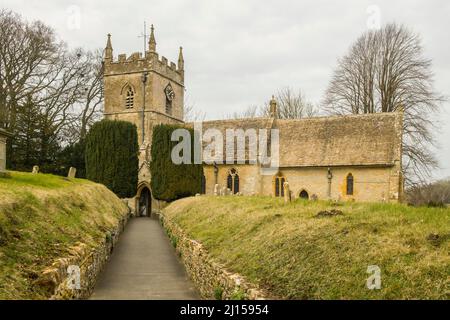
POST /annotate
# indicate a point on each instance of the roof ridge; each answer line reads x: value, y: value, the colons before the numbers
x: 322, y: 117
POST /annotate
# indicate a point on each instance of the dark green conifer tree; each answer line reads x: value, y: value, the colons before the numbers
x: 112, y: 156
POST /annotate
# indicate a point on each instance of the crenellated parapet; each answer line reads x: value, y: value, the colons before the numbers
x: 137, y: 62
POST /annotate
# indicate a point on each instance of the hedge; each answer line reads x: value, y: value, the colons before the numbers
x: 112, y: 156
x: 172, y: 181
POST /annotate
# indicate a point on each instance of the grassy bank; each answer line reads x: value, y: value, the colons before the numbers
x: 294, y: 254
x: 41, y: 217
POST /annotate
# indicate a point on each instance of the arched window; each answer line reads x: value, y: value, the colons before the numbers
x: 233, y: 181
x: 279, y: 185
x: 350, y: 184
x: 129, y: 98
x: 236, y: 184
x: 230, y: 182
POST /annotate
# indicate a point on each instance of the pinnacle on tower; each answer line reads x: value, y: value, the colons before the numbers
x: 180, y: 60
x: 273, y: 108
x: 109, y: 49
x: 152, y: 41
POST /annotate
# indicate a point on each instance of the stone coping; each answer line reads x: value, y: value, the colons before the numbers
x: 211, y: 278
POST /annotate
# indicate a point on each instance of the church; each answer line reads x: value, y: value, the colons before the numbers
x: 345, y: 158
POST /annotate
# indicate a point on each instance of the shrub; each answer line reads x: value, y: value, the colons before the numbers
x: 238, y: 294
x: 112, y: 156
x: 172, y: 181
x: 435, y: 194
x: 71, y: 156
x: 218, y: 293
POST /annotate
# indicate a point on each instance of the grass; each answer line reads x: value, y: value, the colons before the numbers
x: 41, y: 218
x: 292, y: 253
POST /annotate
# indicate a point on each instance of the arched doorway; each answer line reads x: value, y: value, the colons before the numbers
x: 144, y: 202
x: 304, y: 195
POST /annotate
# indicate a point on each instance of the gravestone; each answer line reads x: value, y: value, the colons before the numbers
x: 72, y: 173
x: 216, y: 190
x: 3, y: 136
x: 287, y: 192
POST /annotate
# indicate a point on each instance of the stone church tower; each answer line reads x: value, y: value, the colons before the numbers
x: 147, y: 91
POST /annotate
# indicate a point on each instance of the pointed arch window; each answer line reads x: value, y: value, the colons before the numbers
x: 278, y: 185
x: 236, y: 184
x: 233, y: 182
x: 129, y: 97
x: 350, y: 184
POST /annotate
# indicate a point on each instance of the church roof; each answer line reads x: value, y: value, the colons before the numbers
x: 236, y: 124
x: 353, y: 140
x: 373, y: 139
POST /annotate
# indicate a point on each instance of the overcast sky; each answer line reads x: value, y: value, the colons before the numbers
x: 238, y: 53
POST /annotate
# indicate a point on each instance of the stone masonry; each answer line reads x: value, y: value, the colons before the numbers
x: 353, y: 158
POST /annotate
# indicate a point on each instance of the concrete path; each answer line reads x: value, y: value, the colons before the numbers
x: 144, y: 265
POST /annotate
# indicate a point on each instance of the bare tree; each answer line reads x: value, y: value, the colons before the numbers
x: 290, y: 105
x: 191, y: 114
x: 248, y: 113
x: 435, y: 194
x: 27, y: 52
x: 92, y: 100
x: 61, y: 86
x: 90, y: 96
x: 385, y: 71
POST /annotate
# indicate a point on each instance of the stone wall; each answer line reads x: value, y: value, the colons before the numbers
x: 211, y: 279
x: 375, y: 184
x: 90, y: 262
x: 370, y: 183
x: 249, y: 177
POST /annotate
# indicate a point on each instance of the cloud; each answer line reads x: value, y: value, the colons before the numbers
x: 238, y: 53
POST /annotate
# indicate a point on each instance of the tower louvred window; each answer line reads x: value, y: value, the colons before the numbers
x: 170, y: 96
x: 129, y: 98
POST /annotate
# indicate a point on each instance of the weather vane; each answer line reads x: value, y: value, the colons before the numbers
x: 145, y: 36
